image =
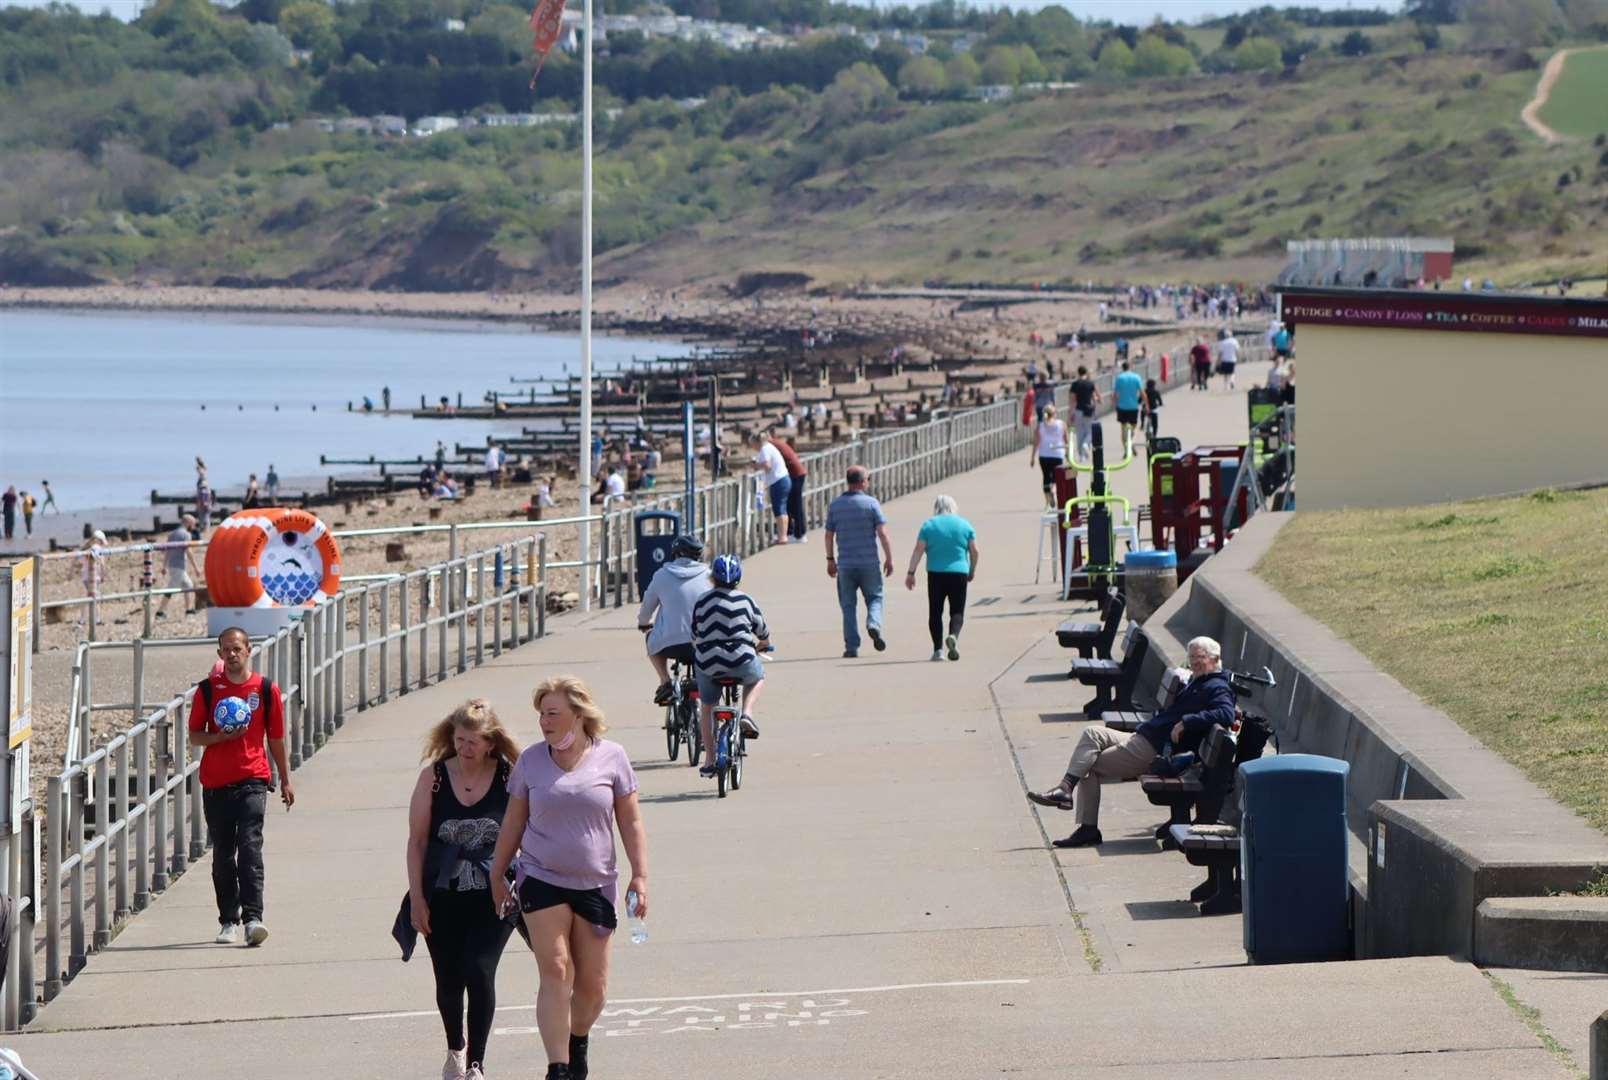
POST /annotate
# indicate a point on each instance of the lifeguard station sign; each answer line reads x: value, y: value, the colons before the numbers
x: 1429, y: 310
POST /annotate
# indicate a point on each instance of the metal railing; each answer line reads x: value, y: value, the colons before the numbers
x: 121, y: 820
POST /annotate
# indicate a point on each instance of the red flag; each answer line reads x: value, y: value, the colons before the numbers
x: 548, y: 21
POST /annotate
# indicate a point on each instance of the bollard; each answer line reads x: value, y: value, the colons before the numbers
x: 1599, y: 1048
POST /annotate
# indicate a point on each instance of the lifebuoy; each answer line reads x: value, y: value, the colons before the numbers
x: 276, y: 557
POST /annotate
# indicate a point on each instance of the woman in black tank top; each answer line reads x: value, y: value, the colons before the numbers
x: 453, y: 818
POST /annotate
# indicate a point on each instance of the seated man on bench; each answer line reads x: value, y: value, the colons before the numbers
x: 1102, y: 754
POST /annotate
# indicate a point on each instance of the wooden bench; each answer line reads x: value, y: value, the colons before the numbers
x: 1113, y: 681
x: 1217, y: 848
x: 1128, y: 720
x: 1198, y: 794
x: 1094, y: 639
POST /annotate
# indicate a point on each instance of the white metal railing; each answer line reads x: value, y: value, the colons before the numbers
x: 122, y: 819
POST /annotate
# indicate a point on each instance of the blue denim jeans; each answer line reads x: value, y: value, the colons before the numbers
x: 851, y: 581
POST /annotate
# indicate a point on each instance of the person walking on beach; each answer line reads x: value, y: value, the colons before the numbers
x: 50, y: 498
x: 273, y: 484
x: 8, y: 507
x: 235, y: 781
x: 253, y: 496
x: 28, y: 503
x: 385, y: 398
x: 769, y: 463
x: 1049, y: 450
x: 440, y: 456
x: 204, y: 502
x: 454, y: 819
x: 858, y: 518
x: 796, y: 472
x: 180, y: 566
x: 567, y: 795
x: 950, y: 545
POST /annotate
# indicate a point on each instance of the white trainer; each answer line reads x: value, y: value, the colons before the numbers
x: 256, y: 932
x: 228, y: 933
x: 455, y: 1068
x: 937, y: 654
x: 474, y: 1073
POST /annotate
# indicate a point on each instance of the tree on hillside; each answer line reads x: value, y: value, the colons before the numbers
x: 961, y: 72
x: 1258, y: 54
x: 1030, y: 69
x: 922, y: 77
x: 1435, y: 12
x: 1156, y: 58
x: 1002, y: 66
x: 856, y: 91
x: 1513, y: 22
x: 309, y: 24
x: 1355, y: 43
x: 509, y: 25
x: 1116, y: 59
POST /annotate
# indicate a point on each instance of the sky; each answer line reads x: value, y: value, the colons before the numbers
x: 1136, y: 12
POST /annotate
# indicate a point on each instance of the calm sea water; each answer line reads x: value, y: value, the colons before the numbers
x: 108, y: 406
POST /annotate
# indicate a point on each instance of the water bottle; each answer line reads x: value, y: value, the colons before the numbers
x: 639, y: 925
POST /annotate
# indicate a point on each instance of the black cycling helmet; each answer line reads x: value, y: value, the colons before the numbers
x: 686, y: 547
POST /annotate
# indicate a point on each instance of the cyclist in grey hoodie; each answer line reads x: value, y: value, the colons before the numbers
x: 670, y: 596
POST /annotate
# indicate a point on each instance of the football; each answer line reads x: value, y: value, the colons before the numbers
x: 231, y: 714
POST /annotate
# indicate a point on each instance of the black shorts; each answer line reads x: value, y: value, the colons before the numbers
x: 590, y: 904
x: 682, y: 652
x: 1127, y: 416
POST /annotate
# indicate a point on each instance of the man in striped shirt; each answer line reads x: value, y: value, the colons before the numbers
x: 727, y: 630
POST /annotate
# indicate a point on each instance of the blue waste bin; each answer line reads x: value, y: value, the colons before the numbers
x: 1293, y: 845
x: 653, y: 548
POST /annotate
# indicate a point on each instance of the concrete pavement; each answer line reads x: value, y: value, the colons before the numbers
x: 878, y: 899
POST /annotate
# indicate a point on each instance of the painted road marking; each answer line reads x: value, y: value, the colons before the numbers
x: 775, y: 997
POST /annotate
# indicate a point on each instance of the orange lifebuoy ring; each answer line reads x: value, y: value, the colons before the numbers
x: 274, y: 557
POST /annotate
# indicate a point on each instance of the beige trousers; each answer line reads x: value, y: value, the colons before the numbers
x: 1103, y: 754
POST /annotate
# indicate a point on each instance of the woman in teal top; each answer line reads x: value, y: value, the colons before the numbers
x: 950, y: 544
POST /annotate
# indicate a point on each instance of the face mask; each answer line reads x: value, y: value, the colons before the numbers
x: 566, y: 742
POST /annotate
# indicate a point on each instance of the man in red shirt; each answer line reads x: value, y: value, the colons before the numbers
x: 1200, y: 365
x: 795, y: 495
x: 235, y: 781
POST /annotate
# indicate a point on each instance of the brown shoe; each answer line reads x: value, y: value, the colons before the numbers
x: 1058, y: 797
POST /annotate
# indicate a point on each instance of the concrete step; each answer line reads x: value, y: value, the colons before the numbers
x: 1553, y: 933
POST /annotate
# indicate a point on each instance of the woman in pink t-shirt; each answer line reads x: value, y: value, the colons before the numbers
x: 566, y: 796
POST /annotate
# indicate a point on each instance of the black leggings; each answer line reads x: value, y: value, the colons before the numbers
x: 940, y: 587
x: 1047, y: 466
x: 466, y: 941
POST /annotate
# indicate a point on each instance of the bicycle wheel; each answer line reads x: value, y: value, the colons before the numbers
x: 672, y: 730
x: 693, y: 730
x: 721, y: 774
x: 737, y: 753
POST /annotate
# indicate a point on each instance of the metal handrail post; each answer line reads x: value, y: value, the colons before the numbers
x: 363, y: 649
x: 159, y: 828
x: 139, y: 679
x: 541, y: 607
x: 103, y: 892
x: 54, y: 839
x: 120, y: 848
x: 181, y: 794
x: 535, y: 589
x: 425, y: 581
x: 460, y: 586
x: 340, y: 659
x: 78, y: 943
x: 142, y: 826
x: 480, y: 608
x: 443, y: 608
x: 385, y: 641
x: 404, y: 626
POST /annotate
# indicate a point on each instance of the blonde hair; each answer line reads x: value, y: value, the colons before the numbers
x: 1049, y: 412
x: 477, y: 717
x: 580, y: 701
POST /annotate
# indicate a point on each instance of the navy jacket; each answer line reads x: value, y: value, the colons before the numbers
x: 1206, y: 700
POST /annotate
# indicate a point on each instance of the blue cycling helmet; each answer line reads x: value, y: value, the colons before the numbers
x: 686, y: 547
x: 726, y: 570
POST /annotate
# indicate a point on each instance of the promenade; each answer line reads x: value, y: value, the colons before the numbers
x: 878, y: 900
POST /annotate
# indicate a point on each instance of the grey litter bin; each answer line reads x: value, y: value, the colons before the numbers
x: 1149, y: 578
x: 1293, y: 844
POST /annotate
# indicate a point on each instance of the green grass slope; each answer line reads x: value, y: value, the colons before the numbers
x: 1201, y: 178
x: 1495, y: 611
x: 1578, y: 104
x: 1198, y: 178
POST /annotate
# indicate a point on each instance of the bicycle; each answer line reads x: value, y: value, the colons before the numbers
x: 730, y: 742
x: 681, y: 714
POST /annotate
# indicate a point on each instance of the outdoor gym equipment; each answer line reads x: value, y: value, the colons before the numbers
x: 1088, y: 578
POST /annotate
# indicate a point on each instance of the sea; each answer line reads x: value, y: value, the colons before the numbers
x: 108, y: 406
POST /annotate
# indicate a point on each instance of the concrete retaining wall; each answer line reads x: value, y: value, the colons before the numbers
x: 1460, y: 824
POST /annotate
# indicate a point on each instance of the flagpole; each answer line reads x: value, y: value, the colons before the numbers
x: 585, y: 470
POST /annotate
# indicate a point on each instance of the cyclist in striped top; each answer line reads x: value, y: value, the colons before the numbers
x: 727, y: 630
